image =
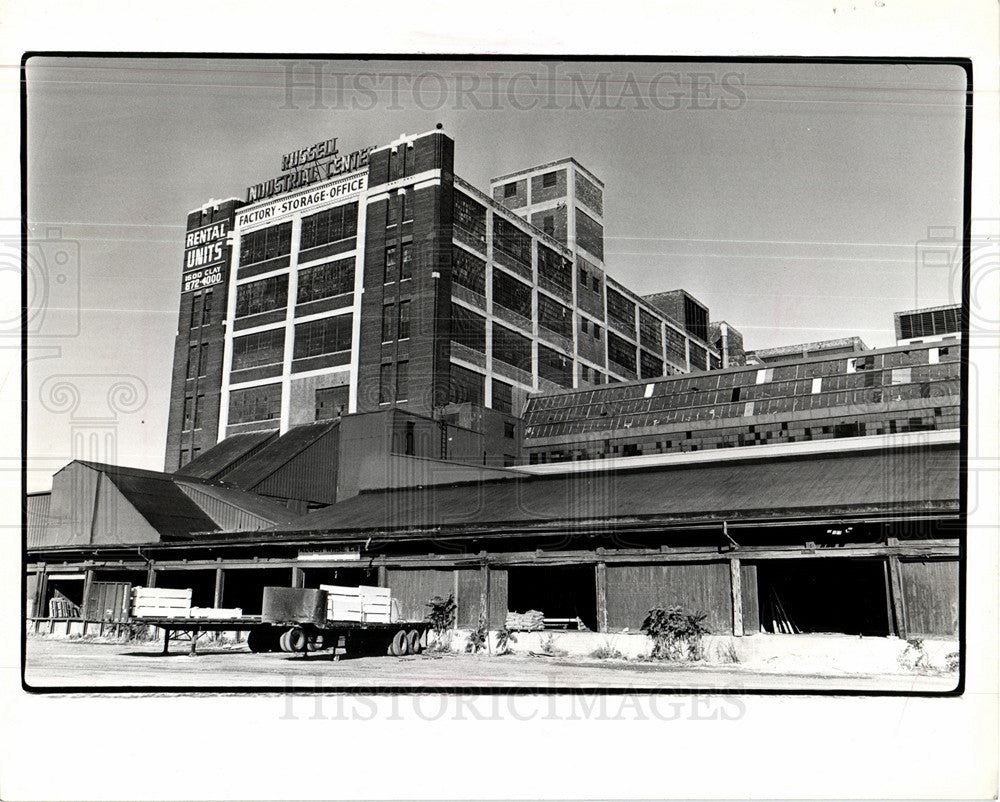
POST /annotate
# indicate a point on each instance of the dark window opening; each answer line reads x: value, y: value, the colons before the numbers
x: 510, y: 190
x: 823, y: 595
x: 558, y: 592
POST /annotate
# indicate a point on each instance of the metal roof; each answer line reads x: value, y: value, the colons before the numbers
x: 277, y: 453
x: 912, y: 480
x: 226, y: 455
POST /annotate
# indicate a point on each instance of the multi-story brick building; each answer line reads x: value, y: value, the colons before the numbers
x: 379, y: 278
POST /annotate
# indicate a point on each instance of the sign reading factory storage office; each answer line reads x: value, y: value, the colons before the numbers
x: 303, y: 201
x: 204, y: 254
x: 307, y: 166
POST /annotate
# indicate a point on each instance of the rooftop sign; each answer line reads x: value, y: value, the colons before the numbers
x: 309, y: 165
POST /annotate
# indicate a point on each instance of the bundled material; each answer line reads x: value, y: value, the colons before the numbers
x: 531, y: 621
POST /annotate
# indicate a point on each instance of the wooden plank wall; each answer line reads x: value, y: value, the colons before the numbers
x: 697, y: 587
x: 751, y: 606
x: 930, y: 597
x: 412, y: 588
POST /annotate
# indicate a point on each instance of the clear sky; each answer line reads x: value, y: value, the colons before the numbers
x: 791, y: 198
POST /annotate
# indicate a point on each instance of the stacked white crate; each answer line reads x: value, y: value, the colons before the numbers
x: 365, y: 604
x: 161, y: 603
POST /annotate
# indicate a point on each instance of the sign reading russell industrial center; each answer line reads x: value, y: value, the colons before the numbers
x: 307, y: 166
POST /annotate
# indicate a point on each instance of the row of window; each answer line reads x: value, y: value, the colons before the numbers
x: 322, y: 228
x: 317, y: 337
x: 396, y: 321
x: 314, y: 283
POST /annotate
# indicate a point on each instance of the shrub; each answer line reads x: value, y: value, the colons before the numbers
x: 441, y: 618
x: 952, y: 661
x: 504, y: 638
x: 676, y: 635
x: 478, y: 638
x: 913, y: 657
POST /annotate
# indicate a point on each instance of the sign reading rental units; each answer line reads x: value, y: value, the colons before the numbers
x: 204, y: 252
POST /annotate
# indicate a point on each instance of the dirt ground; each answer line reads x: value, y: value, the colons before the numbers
x: 75, y: 664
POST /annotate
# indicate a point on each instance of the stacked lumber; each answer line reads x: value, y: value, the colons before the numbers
x: 364, y: 604
x: 531, y: 621
x: 161, y: 603
x: 217, y: 612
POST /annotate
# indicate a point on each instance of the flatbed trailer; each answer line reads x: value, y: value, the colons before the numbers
x: 297, y: 620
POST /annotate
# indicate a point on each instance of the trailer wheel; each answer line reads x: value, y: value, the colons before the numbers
x: 284, y: 643
x: 413, y: 642
x: 315, y: 643
x: 257, y: 641
x: 399, y: 646
x: 298, y: 641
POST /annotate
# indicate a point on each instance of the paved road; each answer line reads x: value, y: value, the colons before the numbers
x: 55, y: 663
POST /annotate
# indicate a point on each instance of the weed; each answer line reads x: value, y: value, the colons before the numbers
x: 504, y: 638
x: 478, y: 638
x: 913, y: 657
x: 676, y: 635
x: 547, y: 646
x: 725, y: 652
x: 607, y: 651
x: 952, y: 661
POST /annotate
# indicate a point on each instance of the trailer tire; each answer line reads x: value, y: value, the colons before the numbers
x: 413, y: 642
x: 298, y: 640
x: 399, y: 646
x: 283, y: 642
x: 258, y: 641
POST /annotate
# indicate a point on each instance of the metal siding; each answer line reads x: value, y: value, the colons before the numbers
x: 37, y: 509
x: 310, y: 475
x: 413, y: 588
x: 633, y: 590
x: 930, y: 597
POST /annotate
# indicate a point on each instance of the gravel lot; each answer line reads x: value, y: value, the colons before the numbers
x: 60, y: 663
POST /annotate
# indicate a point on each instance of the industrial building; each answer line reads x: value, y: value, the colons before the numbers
x: 384, y: 376
x: 380, y: 278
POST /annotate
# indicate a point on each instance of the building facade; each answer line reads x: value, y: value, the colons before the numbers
x: 379, y: 278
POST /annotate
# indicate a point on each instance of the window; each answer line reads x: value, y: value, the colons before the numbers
x: 649, y: 331
x: 649, y: 366
x: 261, y: 348
x: 621, y: 311
x: 676, y: 350
x: 468, y: 271
x: 385, y: 383
x: 549, y: 224
x: 403, y: 331
x: 465, y: 386
x: 329, y: 335
x: 503, y: 397
x: 595, y: 284
x: 510, y: 241
x: 555, y: 367
x: 508, y: 429
x: 468, y: 328
x: 206, y: 309
x: 699, y: 357
x: 331, y: 402
x: 330, y: 225
x: 188, y: 412
x: 405, y: 208
x: 196, y: 301
x: 554, y: 316
x: 326, y: 281
x: 584, y: 325
x: 510, y: 190
x: 388, y: 321
x: 589, y: 234
x: 391, y: 212
x: 192, y: 363
x: 203, y: 360
x: 696, y: 319
x: 402, y: 381
x: 512, y: 348
x: 406, y: 266
x: 583, y: 279
x: 511, y: 294
x: 262, y: 296
x: 267, y: 243
x: 554, y: 271
x: 470, y: 220
x: 390, y: 264
x: 621, y: 352
x: 549, y: 180
x: 255, y: 404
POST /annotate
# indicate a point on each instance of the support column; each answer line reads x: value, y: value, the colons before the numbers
x: 737, y: 583
x: 484, y: 594
x: 896, y: 581
x: 383, y: 577
x: 150, y: 575
x: 220, y: 585
x: 298, y: 577
x: 41, y: 590
x: 601, y: 572
x: 88, y: 583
